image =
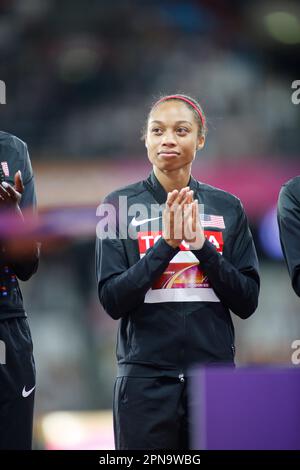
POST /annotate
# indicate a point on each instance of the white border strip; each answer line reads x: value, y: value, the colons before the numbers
x: 193, y: 294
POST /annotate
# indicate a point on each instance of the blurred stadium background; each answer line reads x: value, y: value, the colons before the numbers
x: 80, y: 78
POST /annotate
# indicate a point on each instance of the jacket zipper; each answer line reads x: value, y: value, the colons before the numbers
x: 181, y: 375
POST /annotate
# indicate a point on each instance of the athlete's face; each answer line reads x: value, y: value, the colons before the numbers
x: 172, y: 136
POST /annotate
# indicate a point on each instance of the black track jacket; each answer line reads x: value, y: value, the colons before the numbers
x: 174, y: 303
x: 289, y: 227
x: 13, y: 157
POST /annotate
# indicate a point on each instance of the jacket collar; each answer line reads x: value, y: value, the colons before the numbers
x: 159, y: 192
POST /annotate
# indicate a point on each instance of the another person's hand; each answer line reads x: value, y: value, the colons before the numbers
x: 10, y: 196
x: 173, y: 230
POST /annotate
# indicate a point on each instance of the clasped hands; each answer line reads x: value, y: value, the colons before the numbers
x: 181, y: 220
x: 10, y: 196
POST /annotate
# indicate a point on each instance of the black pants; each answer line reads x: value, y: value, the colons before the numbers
x: 151, y: 413
x: 17, y: 382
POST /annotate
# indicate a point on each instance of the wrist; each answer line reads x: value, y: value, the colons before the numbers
x: 173, y: 243
x: 197, y: 245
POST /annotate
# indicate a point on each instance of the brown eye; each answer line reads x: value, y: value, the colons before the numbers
x: 182, y: 130
x: 156, y: 131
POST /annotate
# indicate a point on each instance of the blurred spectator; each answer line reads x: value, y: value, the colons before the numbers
x: 74, y: 74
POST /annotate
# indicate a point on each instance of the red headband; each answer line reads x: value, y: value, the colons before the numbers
x: 183, y: 98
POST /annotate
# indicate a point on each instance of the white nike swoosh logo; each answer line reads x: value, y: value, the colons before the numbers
x: 135, y: 222
x: 25, y: 393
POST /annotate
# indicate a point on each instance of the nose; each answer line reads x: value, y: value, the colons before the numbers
x: 168, y: 139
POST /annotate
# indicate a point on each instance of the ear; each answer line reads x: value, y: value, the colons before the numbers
x: 201, y: 142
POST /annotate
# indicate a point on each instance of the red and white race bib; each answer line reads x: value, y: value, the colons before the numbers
x: 183, y: 279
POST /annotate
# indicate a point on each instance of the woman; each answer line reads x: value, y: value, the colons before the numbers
x: 172, y: 275
x: 17, y: 368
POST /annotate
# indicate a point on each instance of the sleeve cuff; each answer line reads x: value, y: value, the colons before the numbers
x: 163, y: 247
x: 206, y: 252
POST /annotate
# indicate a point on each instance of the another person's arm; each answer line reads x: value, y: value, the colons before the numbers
x: 20, y: 199
x: 288, y: 214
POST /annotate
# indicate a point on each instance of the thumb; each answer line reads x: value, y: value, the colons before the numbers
x: 19, y: 186
x: 194, y: 217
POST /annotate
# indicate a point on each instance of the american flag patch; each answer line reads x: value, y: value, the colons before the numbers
x: 5, y: 168
x: 212, y: 221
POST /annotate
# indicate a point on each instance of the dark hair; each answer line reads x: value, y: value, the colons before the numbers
x: 198, y: 112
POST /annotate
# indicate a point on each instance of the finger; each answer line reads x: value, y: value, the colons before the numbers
x: 177, y: 204
x: 169, y: 196
x: 190, y: 196
x: 199, y: 227
x: 3, y: 192
x: 172, y: 197
x: 172, y: 223
x: 178, y: 218
x: 19, y: 186
x: 194, y: 216
x: 185, y: 200
x: 166, y: 223
x: 187, y: 213
x: 182, y: 195
x: 178, y: 224
x: 188, y: 233
x: 10, y: 191
x: 197, y: 214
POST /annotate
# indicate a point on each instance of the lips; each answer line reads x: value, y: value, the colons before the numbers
x: 168, y: 154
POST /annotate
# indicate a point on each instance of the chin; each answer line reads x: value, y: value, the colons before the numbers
x: 172, y: 166
x: 167, y: 166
